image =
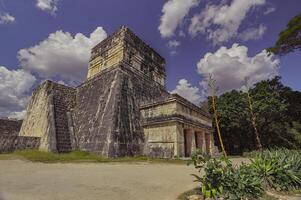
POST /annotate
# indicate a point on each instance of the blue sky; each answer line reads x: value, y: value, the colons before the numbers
x: 166, y: 25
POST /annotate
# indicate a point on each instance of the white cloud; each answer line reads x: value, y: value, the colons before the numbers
x: 14, y: 88
x: 221, y: 22
x: 181, y: 33
x: 61, y: 56
x: 230, y: 67
x: 173, y: 52
x: 253, y: 33
x: 17, y: 115
x: 6, y: 18
x: 269, y: 10
x: 173, y: 43
x: 174, y: 12
x: 186, y: 90
x: 47, y: 5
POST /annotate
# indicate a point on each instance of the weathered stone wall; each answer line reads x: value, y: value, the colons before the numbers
x: 164, y: 123
x: 163, y: 109
x: 125, y: 46
x: 64, y: 102
x: 161, y: 140
x: 109, y: 53
x: 46, y: 115
x: 192, y: 112
x: 9, y: 127
x: 12, y: 143
x: 39, y: 118
x: 143, y: 58
x: 173, y: 107
x: 107, y: 115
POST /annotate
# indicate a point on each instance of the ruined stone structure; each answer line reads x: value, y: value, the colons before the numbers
x: 9, y: 139
x: 123, y: 109
x: 10, y: 127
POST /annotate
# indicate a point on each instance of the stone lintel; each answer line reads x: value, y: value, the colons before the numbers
x: 178, y: 99
x: 174, y: 118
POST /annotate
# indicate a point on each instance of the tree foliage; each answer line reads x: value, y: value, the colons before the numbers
x: 289, y: 39
x: 277, y: 109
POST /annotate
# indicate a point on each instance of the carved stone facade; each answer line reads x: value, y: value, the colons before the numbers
x: 176, y: 127
x: 125, y: 46
x: 123, y: 109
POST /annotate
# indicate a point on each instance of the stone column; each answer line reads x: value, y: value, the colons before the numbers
x: 203, y: 141
x: 180, y: 147
x: 193, y: 142
x: 208, y: 140
x: 212, y: 147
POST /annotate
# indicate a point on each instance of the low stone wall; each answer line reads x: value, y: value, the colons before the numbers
x: 10, y: 127
x: 12, y: 143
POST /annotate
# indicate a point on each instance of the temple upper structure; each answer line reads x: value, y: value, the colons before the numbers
x: 125, y: 47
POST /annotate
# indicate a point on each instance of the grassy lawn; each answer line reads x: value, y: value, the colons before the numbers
x: 79, y: 156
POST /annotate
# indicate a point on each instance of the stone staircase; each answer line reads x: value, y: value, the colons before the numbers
x: 63, y: 140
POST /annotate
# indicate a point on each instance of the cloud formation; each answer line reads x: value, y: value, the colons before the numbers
x: 253, y: 33
x: 61, y: 56
x: 6, y: 18
x: 14, y: 88
x: 269, y: 10
x: 174, y: 12
x: 47, y: 5
x: 221, y: 22
x: 173, y: 43
x: 230, y: 67
x: 189, y: 92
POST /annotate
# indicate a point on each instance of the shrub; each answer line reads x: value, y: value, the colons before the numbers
x: 222, y: 179
x: 242, y: 183
x: 278, y: 169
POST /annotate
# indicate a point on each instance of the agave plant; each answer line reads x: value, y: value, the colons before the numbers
x: 278, y: 169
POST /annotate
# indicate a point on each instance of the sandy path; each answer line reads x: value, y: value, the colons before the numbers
x: 21, y: 180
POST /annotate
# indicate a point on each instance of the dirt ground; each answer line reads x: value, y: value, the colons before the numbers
x: 24, y: 180
x: 21, y: 180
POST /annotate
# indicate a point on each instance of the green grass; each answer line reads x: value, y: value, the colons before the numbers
x: 79, y: 156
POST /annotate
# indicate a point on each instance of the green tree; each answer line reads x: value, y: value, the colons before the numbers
x: 277, y: 110
x: 270, y: 106
x: 289, y: 39
x: 237, y: 131
x: 252, y: 114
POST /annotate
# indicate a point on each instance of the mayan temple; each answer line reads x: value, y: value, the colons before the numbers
x: 122, y: 109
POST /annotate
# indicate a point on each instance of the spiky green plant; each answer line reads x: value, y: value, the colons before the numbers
x: 278, y: 169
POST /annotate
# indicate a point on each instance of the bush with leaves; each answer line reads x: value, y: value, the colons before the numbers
x: 215, y: 170
x: 222, y: 179
x: 279, y: 170
x: 242, y: 183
